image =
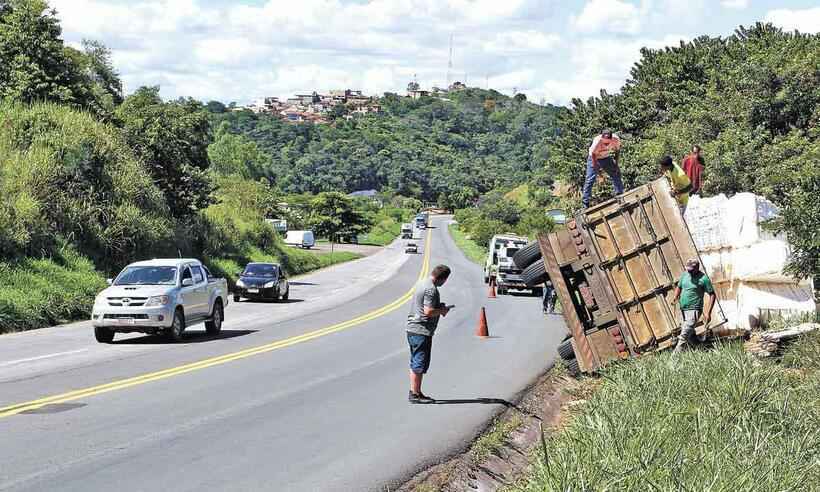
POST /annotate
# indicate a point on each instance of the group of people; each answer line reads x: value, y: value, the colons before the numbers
x: 603, y: 157
x: 685, y: 179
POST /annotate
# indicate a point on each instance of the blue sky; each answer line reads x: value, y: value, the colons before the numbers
x: 550, y: 50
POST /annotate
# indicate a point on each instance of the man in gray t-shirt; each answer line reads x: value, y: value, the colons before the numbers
x: 425, y: 310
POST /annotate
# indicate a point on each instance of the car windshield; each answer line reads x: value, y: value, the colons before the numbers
x: 260, y: 270
x: 147, y: 275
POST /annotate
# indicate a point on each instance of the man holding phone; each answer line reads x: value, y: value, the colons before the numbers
x: 425, y: 309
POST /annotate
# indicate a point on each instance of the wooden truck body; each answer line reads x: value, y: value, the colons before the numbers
x: 614, y: 269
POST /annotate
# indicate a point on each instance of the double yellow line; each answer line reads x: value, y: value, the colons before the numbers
x: 222, y: 359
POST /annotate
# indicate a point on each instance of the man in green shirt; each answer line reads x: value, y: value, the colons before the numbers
x: 690, y: 289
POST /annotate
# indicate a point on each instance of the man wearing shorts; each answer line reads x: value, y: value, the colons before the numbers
x: 425, y: 310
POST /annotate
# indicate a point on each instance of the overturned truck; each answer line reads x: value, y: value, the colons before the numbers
x: 614, y: 269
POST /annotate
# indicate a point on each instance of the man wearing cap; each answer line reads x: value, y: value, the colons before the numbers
x: 603, y: 156
x: 425, y: 310
x: 690, y: 289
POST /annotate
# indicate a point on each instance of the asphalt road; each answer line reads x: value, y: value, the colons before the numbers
x: 306, y: 395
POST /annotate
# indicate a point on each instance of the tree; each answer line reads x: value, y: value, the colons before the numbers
x: 332, y: 214
x: 237, y: 154
x: 34, y: 65
x: 172, y: 139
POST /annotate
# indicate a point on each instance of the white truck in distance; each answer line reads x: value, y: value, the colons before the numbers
x: 302, y: 239
x: 407, y: 231
x: 160, y: 296
x: 500, y: 265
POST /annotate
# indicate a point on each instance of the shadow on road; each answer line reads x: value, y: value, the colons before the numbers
x: 485, y: 401
x: 187, y: 337
x: 271, y: 301
x: 302, y: 283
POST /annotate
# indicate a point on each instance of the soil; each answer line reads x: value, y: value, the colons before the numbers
x: 545, y: 405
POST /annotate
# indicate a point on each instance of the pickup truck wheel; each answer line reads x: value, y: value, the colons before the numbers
x: 286, y: 295
x: 236, y: 298
x: 527, y: 255
x: 534, y: 274
x: 177, y: 327
x: 214, y: 325
x: 103, y: 334
x: 565, y: 350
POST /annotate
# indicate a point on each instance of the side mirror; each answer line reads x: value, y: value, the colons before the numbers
x: 187, y: 282
x: 110, y: 281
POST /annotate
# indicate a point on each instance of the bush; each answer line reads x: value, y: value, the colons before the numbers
x: 63, y: 174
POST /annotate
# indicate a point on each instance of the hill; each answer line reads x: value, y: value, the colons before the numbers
x: 455, y: 148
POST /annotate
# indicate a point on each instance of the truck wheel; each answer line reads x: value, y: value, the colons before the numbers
x: 287, y: 295
x: 538, y: 292
x: 534, y: 274
x: 103, y: 334
x: 177, y: 327
x: 527, y: 255
x: 214, y: 325
x: 565, y: 350
x: 572, y: 367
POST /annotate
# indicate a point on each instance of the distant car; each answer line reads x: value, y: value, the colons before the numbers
x: 262, y: 281
x: 411, y: 248
x: 303, y: 239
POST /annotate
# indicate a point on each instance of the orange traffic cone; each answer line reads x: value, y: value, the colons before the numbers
x: 481, y: 330
x: 491, y: 294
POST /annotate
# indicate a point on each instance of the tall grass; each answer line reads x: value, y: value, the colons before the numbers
x: 47, y: 291
x: 715, y: 420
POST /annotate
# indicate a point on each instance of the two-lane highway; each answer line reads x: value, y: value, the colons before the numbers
x: 294, y: 396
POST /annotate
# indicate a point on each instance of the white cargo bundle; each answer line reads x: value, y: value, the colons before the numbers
x: 762, y: 261
x: 719, y: 222
x: 747, y: 304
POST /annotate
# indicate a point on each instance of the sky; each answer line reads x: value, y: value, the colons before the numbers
x: 550, y: 50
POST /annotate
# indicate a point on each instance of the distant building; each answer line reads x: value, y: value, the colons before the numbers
x: 417, y: 94
x: 457, y: 86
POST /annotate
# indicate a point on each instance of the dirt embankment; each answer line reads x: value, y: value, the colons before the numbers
x: 501, y: 456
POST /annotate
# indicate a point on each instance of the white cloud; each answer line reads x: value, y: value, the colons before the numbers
x: 806, y: 21
x: 614, y: 16
x: 735, y: 4
x: 522, y: 41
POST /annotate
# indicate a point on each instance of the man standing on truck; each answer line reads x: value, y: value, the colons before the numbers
x: 425, y: 309
x: 692, y: 165
x: 690, y: 289
x: 603, y: 156
x: 678, y: 181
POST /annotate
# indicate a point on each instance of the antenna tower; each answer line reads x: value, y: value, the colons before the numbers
x: 450, y: 63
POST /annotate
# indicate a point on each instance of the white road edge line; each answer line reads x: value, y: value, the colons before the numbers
x: 47, y: 356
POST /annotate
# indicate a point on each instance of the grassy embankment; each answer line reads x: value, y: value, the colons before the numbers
x: 386, y: 226
x: 473, y: 251
x: 706, y: 420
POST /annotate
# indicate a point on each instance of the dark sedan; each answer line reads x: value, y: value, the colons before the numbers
x: 261, y: 281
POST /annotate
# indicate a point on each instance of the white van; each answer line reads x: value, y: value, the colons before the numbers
x: 303, y: 239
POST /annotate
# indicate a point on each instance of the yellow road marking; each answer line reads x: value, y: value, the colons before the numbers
x: 222, y: 359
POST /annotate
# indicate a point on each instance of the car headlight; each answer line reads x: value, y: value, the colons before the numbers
x: 240, y: 283
x: 158, y: 301
x: 270, y: 284
x: 99, y: 300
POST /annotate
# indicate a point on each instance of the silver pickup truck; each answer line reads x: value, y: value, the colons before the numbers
x: 160, y: 296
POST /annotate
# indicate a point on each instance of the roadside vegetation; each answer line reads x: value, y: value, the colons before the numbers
x: 705, y: 420
x: 472, y: 250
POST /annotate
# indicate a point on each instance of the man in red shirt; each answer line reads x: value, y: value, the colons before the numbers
x: 692, y: 165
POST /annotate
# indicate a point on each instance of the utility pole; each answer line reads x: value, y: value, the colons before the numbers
x: 450, y: 63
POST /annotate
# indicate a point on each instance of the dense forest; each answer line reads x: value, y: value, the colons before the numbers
x: 450, y: 150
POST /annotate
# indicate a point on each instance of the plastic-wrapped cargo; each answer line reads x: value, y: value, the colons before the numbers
x: 762, y: 261
x: 747, y: 304
x: 719, y: 222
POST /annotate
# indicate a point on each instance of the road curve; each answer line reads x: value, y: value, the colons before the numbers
x: 306, y: 396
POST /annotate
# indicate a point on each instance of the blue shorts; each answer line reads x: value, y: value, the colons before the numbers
x: 420, y: 348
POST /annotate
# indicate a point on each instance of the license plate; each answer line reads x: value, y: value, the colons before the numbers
x: 126, y: 321
x: 253, y: 291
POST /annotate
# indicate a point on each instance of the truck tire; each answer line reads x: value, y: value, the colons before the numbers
x: 565, y: 350
x: 103, y: 334
x: 534, y: 274
x: 572, y: 367
x: 286, y: 295
x: 527, y: 255
x: 177, y: 328
x: 236, y: 298
x: 214, y: 325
